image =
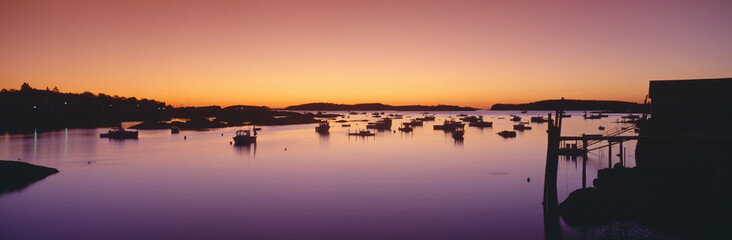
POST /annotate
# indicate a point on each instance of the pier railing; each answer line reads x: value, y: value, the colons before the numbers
x: 616, y: 131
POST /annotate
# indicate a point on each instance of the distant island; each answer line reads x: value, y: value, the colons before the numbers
x: 29, y: 109
x: 597, y: 105
x: 374, y: 107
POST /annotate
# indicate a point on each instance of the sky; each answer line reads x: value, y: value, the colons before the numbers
x: 281, y: 53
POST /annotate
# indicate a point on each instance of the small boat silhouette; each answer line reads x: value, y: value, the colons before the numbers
x: 119, y: 133
x: 507, y: 134
x: 245, y: 137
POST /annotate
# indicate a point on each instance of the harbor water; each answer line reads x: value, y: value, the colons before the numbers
x: 294, y: 183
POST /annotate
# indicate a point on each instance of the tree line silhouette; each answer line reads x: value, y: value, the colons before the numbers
x: 28, y: 109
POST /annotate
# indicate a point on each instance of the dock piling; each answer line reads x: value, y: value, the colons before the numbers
x: 620, y: 154
x: 610, y: 154
x: 584, y: 171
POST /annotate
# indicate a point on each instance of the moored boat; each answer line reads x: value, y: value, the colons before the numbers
x: 395, y: 116
x: 481, y: 124
x: 362, y: 133
x: 322, y: 127
x: 458, y: 133
x: 539, y: 119
x: 119, y: 133
x: 406, y: 127
x: 426, y: 118
x: 521, y: 127
x: 471, y: 118
x: 245, y: 137
x: 594, y: 116
x: 449, y: 125
x: 591, y: 116
x: 507, y: 134
x: 383, y: 124
x: 416, y: 122
x: 571, y: 150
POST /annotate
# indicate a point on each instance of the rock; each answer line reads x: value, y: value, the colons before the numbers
x: 14, y: 176
x: 585, y: 207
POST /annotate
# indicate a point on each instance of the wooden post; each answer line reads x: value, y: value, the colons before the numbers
x: 584, y: 163
x: 610, y: 154
x: 584, y: 171
x: 552, y: 228
x: 552, y: 163
x: 622, y: 160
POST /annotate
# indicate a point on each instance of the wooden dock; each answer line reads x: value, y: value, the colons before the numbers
x: 578, y: 146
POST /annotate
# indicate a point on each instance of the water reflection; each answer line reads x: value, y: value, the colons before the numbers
x: 35, y: 145
x: 247, y: 150
x: 121, y: 144
x: 371, y: 138
x: 323, y: 138
x: 458, y: 142
x: 66, y: 142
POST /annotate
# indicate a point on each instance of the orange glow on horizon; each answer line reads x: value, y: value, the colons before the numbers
x: 282, y: 53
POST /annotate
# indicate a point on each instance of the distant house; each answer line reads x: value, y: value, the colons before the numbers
x: 690, y: 124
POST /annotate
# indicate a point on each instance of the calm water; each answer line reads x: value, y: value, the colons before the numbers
x: 293, y: 183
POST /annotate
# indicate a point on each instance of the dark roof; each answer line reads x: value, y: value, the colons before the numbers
x: 696, y: 88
